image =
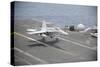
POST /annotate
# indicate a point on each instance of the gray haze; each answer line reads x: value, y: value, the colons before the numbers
x: 60, y: 14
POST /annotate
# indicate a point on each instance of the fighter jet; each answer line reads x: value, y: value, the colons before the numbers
x: 47, y: 31
x: 90, y: 31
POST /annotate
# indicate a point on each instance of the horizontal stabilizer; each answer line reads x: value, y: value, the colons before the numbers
x: 31, y: 29
x: 30, y: 32
x: 61, y: 31
x: 36, y: 32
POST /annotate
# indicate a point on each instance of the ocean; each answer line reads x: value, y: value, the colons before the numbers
x: 59, y: 14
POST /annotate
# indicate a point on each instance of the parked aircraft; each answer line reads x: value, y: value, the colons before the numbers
x: 91, y: 31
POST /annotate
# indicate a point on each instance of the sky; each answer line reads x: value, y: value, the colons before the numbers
x: 61, y: 14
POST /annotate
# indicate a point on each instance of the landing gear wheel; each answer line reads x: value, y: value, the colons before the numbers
x: 57, y: 39
x: 43, y: 38
x: 51, y: 36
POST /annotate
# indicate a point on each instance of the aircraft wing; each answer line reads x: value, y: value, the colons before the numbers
x: 61, y: 31
x: 51, y: 29
x: 35, y: 32
x: 57, y: 29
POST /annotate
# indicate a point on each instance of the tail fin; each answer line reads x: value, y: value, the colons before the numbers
x: 44, y: 27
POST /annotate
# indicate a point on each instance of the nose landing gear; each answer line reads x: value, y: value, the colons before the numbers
x: 43, y: 38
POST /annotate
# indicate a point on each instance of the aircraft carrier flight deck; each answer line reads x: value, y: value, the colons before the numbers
x: 32, y: 49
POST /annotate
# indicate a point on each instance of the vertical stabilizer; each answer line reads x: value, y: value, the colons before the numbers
x: 43, y: 26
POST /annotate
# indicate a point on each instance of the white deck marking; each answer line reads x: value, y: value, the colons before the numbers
x: 45, y: 44
x: 24, y: 60
x: 31, y: 56
x: 76, y: 43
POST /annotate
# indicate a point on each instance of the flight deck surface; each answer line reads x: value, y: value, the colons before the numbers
x: 32, y: 49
